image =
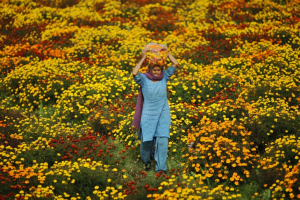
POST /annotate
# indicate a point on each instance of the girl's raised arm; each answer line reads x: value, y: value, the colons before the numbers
x: 173, y: 60
x: 140, y: 63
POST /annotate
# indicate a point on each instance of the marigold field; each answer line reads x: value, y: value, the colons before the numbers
x: 67, y: 99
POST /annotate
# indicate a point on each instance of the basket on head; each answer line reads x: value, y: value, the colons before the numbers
x: 156, y: 54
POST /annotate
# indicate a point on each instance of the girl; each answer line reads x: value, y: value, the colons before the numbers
x: 152, y: 115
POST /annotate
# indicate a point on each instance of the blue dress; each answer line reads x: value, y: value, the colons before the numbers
x: 156, y: 117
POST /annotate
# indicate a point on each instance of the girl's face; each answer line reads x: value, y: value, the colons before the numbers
x: 156, y: 71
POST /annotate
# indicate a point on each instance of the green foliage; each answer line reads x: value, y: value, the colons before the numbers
x: 9, y: 121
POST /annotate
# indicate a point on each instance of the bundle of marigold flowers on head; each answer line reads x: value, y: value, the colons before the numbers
x: 156, y: 54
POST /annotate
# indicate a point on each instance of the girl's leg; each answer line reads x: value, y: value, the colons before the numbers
x: 161, y: 151
x: 145, y: 152
x: 153, y: 149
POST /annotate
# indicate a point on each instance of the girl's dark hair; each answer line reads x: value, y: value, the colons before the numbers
x: 151, y: 67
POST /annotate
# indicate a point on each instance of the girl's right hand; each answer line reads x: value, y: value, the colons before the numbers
x: 144, y: 53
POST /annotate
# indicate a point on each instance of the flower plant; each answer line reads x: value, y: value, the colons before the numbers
x: 67, y: 99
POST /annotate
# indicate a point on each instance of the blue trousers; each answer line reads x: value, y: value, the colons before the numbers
x: 157, y: 148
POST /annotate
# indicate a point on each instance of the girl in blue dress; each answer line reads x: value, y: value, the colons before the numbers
x: 152, y: 115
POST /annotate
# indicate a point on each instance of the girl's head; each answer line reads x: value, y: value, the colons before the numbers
x: 156, y: 70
